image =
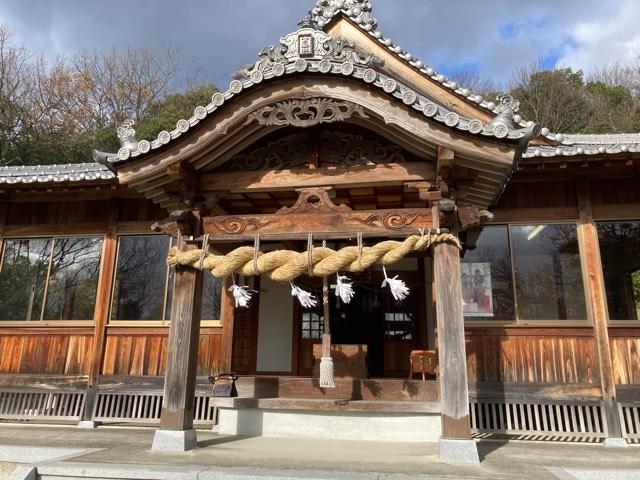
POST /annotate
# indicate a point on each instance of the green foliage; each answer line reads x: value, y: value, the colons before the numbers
x: 613, y: 96
x: 553, y: 98
x: 164, y: 115
x: 636, y: 119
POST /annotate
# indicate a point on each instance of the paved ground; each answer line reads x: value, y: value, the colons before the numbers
x: 500, y: 460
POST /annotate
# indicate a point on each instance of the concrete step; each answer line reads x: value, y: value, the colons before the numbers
x: 350, y: 389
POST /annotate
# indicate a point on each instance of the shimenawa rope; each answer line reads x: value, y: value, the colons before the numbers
x: 286, y: 265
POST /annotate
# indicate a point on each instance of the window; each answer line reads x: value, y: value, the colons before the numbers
x: 141, y: 281
x: 523, y: 273
x: 49, y: 279
x: 143, y: 285
x: 398, y: 326
x: 487, y: 278
x: 620, y: 253
x: 548, y: 272
x: 312, y: 326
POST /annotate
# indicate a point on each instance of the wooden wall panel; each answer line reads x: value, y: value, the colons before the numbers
x: 531, y: 356
x: 58, y: 353
x: 80, y: 212
x: 539, y: 195
x: 625, y: 355
x: 144, y: 352
x: 614, y: 191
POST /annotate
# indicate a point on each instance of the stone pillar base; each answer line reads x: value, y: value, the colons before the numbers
x: 174, y: 441
x: 88, y: 424
x: 615, y: 443
x: 458, y: 451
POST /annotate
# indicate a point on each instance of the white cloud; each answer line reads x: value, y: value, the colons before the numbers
x: 605, y: 40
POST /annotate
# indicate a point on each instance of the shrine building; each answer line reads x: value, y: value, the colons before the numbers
x: 375, y: 251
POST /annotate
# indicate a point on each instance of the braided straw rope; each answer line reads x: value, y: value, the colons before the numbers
x: 286, y: 265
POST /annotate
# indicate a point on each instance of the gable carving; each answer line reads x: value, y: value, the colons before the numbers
x: 306, y: 113
x: 334, y: 147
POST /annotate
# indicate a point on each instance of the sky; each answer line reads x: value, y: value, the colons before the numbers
x: 216, y: 37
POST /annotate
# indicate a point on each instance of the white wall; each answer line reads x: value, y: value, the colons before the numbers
x: 275, y: 327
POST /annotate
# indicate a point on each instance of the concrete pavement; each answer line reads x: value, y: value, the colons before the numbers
x: 109, y: 450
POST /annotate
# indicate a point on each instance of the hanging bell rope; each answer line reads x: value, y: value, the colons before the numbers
x: 286, y: 265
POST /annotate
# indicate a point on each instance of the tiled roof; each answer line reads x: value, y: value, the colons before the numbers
x: 69, y: 173
x: 572, y: 145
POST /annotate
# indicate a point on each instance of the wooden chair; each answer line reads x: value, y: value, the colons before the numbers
x: 424, y: 362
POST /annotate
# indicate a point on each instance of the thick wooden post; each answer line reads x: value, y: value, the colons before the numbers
x: 227, y: 311
x: 597, y: 310
x: 101, y: 315
x: 176, y: 424
x: 456, y: 444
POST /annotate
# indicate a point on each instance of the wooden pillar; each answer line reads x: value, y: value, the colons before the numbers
x: 456, y: 444
x: 176, y: 424
x: 228, y: 325
x: 454, y: 388
x: 101, y: 314
x: 597, y: 305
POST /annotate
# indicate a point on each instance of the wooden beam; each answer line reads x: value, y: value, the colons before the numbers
x: 264, y: 181
x: 315, y: 213
x: 180, y: 376
x: 597, y: 305
x: 451, y: 343
x: 446, y: 160
x: 101, y: 312
x: 228, y: 324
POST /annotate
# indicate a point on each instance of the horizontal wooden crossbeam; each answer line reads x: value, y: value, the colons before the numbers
x: 378, y: 175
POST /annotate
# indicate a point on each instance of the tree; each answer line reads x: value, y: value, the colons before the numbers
x: 612, y: 108
x: 60, y: 112
x: 554, y: 98
x: 475, y: 82
x: 164, y: 115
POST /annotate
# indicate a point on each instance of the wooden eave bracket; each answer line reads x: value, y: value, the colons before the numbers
x: 182, y: 222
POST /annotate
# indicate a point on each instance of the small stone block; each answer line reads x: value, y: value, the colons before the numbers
x: 174, y: 441
x: 88, y: 424
x: 458, y: 451
x: 615, y: 443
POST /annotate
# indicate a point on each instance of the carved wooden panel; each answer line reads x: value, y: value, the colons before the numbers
x: 314, y: 212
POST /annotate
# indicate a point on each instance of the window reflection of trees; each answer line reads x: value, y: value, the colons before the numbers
x: 492, y: 246
x: 23, y: 278
x: 73, y: 279
x: 548, y: 273
x: 139, y: 288
x: 68, y: 276
x: 620, y: 252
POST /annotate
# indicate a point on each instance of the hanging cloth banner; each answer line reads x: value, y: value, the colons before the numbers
x: 286, y: 265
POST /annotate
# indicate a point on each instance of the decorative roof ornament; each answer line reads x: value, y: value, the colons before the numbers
x: 357, y: 10
x: 128, y: 144
x: 302, y: 46
x: 506, y: 120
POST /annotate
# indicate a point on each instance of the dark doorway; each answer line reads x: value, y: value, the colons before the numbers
x: 373, y: 318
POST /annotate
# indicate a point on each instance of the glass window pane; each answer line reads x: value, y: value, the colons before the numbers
x: 73, y: 281
x: 211, y: 296
x: 487, y: 282
x: 548, y: 273
x: 23, y: 277
x: 620, y: 252
x: 140, y: 281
